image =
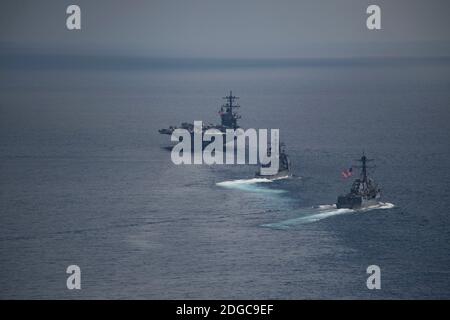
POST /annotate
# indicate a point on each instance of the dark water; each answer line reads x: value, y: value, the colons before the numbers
x: 83, y: 181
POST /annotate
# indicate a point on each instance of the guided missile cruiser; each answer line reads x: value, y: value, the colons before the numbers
x: 284, y: 169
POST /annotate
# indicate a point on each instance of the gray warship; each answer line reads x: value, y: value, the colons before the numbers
x: 284, y: 169
x: 364, y: 191
x: 228, y: 117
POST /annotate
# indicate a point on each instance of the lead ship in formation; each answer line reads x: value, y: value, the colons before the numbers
x: 228, y: 117
x: 364, y: 192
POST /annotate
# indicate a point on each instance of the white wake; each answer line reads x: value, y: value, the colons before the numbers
x: 322, y: 212
x: 232, y: 183
x: 251, y: 185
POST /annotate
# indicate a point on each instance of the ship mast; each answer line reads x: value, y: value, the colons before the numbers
x: 364, y: 167
x: 228, y: 117
x: 230, y: 99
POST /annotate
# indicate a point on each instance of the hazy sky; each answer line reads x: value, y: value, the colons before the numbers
x: 229, y: 28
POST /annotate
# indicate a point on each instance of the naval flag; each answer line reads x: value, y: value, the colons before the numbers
x: 347, y: 173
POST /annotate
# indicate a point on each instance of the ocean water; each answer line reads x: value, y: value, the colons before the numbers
x: 84, y: 180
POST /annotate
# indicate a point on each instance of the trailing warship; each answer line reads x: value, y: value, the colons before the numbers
x: 284, y: 165
x: 364, y: 192
x: 228, y: 117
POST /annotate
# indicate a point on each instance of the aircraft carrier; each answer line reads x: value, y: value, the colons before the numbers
x: 228, y: 117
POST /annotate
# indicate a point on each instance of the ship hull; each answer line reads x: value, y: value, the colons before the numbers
x: 279, y: 175
x: 169, y: 144
x: 355, y: 202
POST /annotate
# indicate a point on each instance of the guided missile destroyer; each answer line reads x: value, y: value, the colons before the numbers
x: 364, y: 192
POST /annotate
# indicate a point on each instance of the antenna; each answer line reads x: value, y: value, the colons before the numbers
x: 364, y: 166
x: 227, y: 115
x: 230, y: 99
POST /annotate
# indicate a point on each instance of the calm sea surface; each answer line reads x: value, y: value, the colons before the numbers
x: 84, y: 180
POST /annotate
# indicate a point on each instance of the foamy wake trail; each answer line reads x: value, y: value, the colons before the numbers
x: 232, y: 183
x: 250, y: 185
x: 322, y: 212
